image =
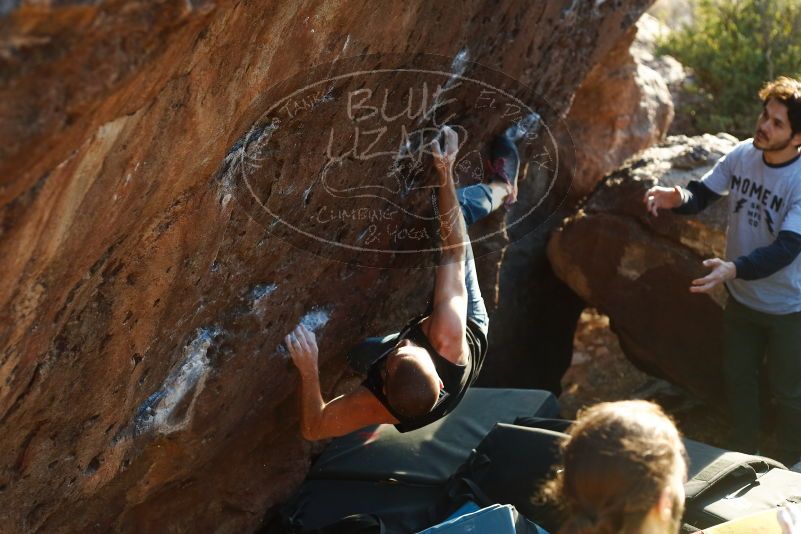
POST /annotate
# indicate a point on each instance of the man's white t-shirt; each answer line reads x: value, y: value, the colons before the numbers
x: 764, y: 199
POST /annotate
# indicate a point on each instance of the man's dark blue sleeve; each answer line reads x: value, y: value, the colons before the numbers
x: 696, y: 197
x: 766, y: 260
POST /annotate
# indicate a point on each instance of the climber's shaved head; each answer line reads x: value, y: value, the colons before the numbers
x: 412, y: 384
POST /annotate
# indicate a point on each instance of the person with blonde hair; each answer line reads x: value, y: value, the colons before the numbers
x: 623, y: 472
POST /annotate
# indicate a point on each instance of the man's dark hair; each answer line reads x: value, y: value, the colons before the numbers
x: 619, y: 458
x: 410, y: 388
x: 788, y: 92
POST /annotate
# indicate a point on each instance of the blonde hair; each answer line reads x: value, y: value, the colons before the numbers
x: 618, y: 459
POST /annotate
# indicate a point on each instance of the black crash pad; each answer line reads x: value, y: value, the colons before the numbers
x: 402, y: 507
x: 430, y: 454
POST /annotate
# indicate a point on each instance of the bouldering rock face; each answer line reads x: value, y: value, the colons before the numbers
x: 637, y: 269
x: 142, y: 383
x: 622, y: 107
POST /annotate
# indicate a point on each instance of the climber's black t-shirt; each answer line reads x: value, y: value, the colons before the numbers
x: 455, y: 378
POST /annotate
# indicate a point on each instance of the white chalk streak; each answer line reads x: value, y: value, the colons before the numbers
x: 189, y: 377
x: 315, y: 319
x: 260, y: 293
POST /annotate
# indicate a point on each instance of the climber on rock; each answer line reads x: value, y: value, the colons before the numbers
x: 420, y: 374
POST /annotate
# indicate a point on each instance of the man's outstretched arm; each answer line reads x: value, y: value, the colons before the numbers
x: 760, y: 263
x: 342, y: 415
x: 698, y: 194
x: 694, y: 198
x: 446, y: 329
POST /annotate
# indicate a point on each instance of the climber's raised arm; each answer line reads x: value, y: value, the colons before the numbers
x: 446, y: 326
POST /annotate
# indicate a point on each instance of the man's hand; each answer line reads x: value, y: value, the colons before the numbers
x: 721, y: 271
x: 302, y: 346
x: 658, y: 197
x: 444, y: 161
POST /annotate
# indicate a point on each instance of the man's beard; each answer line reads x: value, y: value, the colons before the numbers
x: 772, y: 147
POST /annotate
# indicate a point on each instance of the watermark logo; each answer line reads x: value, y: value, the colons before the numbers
x: 340, y: 163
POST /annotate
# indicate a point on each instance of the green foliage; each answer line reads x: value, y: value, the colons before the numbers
x: 733, y: 47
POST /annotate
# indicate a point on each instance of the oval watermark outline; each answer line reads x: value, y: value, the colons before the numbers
x: 445, y: 74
